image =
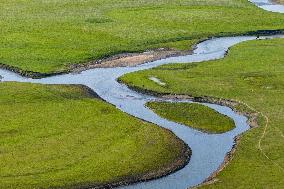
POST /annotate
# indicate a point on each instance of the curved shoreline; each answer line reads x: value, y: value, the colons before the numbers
x: 204, y: 99
x: 251, y: 121
x: 176, y: 164
x: 95, y: 73
x: 141, y: 178
x: 179, y: 164
x: 130, y: 59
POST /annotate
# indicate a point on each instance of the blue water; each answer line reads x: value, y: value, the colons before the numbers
x: 208, y: 150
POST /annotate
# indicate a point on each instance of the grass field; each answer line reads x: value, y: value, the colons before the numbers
x: 252, y: 73
x: 59, y: 136
x: 48, y: 35
x: 193, y: 115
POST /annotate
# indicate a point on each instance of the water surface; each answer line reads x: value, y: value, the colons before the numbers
x: 208, y: 150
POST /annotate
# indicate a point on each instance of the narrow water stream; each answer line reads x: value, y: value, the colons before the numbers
x: 268, y: 5
x: 208, y: 150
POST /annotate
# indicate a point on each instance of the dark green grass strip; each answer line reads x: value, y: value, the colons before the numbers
x: 193, y: 115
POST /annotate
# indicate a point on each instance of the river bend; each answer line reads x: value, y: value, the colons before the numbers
x: 208, y: 150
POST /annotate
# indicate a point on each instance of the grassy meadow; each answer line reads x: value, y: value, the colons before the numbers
x: 193, y: 115
x: 50, y: 35
x: 61, y: 137
x: 252, y: 73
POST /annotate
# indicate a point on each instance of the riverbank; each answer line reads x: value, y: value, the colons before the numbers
x: 251, y: 73
x: 205, y: 145
x: 130, y: 59
x: 52, y: 37
x: 85, y: 142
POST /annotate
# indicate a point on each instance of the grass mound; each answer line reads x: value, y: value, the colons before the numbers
x: 193, y: 115
x: 60, y: 137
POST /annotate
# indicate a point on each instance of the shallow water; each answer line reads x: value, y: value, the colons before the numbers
x: 208, y: 150
x: 268, y: 5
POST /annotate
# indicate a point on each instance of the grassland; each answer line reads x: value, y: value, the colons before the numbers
x: 252, y: 73
x: 61, y: 137
x: 193, y: 115
x: 48, y: 36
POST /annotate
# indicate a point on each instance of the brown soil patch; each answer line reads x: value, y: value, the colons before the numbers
x: 278, y: 2
x: 128, y: 59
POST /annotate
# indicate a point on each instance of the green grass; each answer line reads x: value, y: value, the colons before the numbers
x: 252, y: 73
x: 193, y: 115
x: 59, y: 136
x: 48, y: 35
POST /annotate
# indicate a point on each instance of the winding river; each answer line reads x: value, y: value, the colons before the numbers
x: 208, y: 150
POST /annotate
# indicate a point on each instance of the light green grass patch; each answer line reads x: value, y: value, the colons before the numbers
x: 193, y: 115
